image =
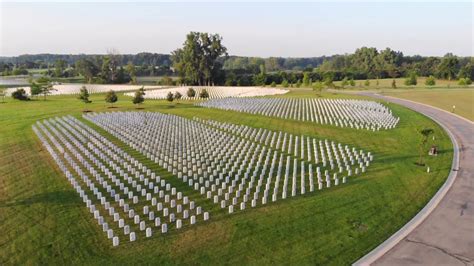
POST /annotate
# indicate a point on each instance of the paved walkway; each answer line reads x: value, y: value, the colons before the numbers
x: 446, y: 236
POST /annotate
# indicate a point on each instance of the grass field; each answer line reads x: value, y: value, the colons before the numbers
x: 43, y: 220
x: 400, y: 82
x: 463, y: 99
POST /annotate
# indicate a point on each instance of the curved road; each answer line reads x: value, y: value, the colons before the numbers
x: 446, y: 236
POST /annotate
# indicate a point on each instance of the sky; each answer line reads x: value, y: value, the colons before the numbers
x: 262, y: 29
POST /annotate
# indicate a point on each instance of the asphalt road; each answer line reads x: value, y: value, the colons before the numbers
x: 446, y: 236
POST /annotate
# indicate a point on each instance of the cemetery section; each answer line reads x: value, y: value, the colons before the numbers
x: 127, y: 200
x: 236, y: 167
x: 359, y: 114
x: 215, y: 92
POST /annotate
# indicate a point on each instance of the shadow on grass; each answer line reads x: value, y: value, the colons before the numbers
x: 57, y: 197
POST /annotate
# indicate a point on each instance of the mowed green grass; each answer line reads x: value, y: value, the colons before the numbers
x: 43, y: 220
x: 463, y: 99
x: 400, y: 82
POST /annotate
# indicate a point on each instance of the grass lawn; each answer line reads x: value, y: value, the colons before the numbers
x: 43, y: 220
x: 400, y: 82
x: 463, y: 99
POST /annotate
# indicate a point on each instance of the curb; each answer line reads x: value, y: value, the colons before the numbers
x: 388, y: 244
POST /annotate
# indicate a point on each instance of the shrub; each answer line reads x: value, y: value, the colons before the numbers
x: 285, y: 84
x: 169, y: 97
x: 191, y: 93
x: 111, y: 97
x: 430, y: 81
x: 367, y: 83
x: 204, y: 94
x: 273, y: 85
x: 411, y: 80
x: 20, y: 94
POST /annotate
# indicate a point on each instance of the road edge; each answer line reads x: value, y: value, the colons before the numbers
x: 392, y: 241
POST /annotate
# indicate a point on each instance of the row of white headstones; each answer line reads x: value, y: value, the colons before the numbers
x: 234, y: 171
x: 214, y: 92
x: 359, y: 114
x: 126, y: 198
x: 74, y: 89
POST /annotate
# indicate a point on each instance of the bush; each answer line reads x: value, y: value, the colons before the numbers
x: 411, y: 80
x: 352, y: 82
x: 430, y: 81
x: 285, y: 84
x: 20, y: 94
x: 273, y: 85
x: 177, y: 95
x: 464, y: 81
x: 169, y: 97
x: 111, y: 97
x: 191, y: 93
x: 367, y: 83
x: 204, y: 94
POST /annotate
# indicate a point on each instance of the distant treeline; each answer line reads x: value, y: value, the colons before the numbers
x: 364, y: 63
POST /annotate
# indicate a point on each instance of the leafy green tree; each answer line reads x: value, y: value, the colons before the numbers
x: 191, y: 93
x: 467, y: 71
x: 197, y: 62
x: 111, y: 97
x: 285, y: 83
x: 318, y: 87
x: 273, y: 84
x: 204, y: 94
x: 87, y: 69
x: 169, y: 97
x: 298, y: 84
x: 261, y: 78
x: 45, y: 85
x: 448, y: 67
x: 328, y: 82
x: 35, y: 89
x: 411, y: 80
x: 131, y: 70
x: 177, y: 95
x: 430, y: 81
x: 59, y: 67
x: 306, y: 79
x: 425, y: 133
x: 344, y: 82
x: 394, y: 84
x: 84, y: 95
x: 20, y: 94
x: 138, y: 97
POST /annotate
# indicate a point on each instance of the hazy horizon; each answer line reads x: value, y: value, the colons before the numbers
x: 248, y: 29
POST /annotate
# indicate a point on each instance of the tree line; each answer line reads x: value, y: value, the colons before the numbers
x: 203, y: 60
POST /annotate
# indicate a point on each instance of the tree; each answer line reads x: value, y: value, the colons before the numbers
x: 45, y: 86
x: 84, y: 95
x: 191, y: 93
x: 204, y: 94
x: 138, y: 97
x: 306, y: 79
x: 285, y: 83
x: 111, y: 97
x: 20, y: 94
x: 318, y: 86
x: 273, y: 84
x: 411, y: 80
x: 394, y: 84
x: 87, y: 69
x: 130, y: 69
x: 59, y: 67
x: 169, y: 97
x: 344, y: 82
x: 35, y: 88
x: 448, y: 67
x: 197, y: 62
x: 425, y: 133
x: 430, y: 81
x: 261, y: 78
x: 298, y: 83
x: 367, y: 83
x: 177, y: 95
